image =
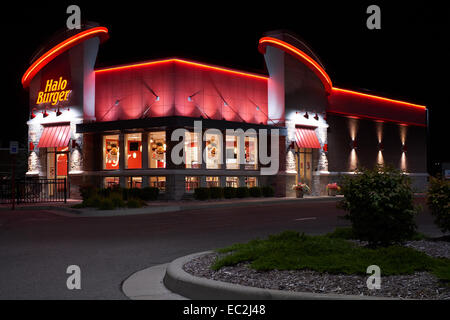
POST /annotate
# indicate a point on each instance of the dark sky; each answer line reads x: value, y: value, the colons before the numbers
x: 407, y: 59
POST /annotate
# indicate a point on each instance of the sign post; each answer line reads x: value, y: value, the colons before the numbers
x: 13, y: 150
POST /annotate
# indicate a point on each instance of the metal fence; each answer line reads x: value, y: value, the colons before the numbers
x: 33, y: 190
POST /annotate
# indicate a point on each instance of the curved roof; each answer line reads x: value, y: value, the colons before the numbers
x: 300, y: 55
x: 60, y: 48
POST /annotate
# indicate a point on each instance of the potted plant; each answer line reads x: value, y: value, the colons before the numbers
x: 300, y: 189
x: 332, y: 189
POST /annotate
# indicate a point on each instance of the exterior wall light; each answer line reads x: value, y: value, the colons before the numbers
x: 58, y: 113
x: 316, y: 117
x: 404, y: 148
x: 45, y: 114
x: 306, y: 115
x: 32, y: 115
x: 380, y: 146
x: 353, y: 145
x: 325, y: 147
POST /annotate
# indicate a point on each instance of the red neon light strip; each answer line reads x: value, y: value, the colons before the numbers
x: 145, y: 64
x: 60, y: 48
x: 359, y: 116
x: 288, y: 48
x: 380, y: 98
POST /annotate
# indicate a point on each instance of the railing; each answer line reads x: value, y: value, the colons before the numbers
x: 33, y: 190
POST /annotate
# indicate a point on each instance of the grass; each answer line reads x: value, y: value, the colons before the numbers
x: 290, y: 250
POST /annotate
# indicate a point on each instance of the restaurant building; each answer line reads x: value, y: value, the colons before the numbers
x: 115, y: 125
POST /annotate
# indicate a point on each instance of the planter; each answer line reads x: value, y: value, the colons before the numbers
x: 332, y: 192
x: 299, y: 193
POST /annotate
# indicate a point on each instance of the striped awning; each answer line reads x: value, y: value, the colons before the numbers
x: 306, y: 138
x: 55, y: 136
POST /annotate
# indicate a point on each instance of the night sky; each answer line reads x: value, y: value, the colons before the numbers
x: 407, y: 59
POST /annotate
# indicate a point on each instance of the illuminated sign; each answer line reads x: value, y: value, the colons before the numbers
x: 54, y: 92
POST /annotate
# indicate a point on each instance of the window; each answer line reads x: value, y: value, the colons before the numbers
x: 212, y: 182
x: 232, y: 152
x: 251, y: 182
x: 133, y: 148
x: 192, y: 150
x: 251, y: 153
x: 111, y: 152
x: 213, y: 151
x: 157, y: 149
x: 110, y: 182
x: 232, y: 182
x: 134, y: 182
x: 192, y: 183
x: 158, y: 182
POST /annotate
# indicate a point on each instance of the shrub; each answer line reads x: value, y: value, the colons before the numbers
x: 87, y: 191
x: 93, y: 201
x: 380, y: 205
x: 255, y: 192
x: 216, y: 192
x: 242, y: 192
x: 135, y: 193
x: 106, y: 204
x: 201, y: 193
x: 438, y: 200
x: 229, y: 192
x: 149, y: 193
x: 134, y: 203
x: 268, y: 191
x: 117, y: 199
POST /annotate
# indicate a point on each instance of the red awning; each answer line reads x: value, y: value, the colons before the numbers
x: 306, y: 138
x: 55, y: 136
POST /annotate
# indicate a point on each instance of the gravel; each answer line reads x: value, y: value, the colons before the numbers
x: 420, y: 285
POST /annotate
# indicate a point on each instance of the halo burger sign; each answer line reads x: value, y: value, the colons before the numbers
x: 54, y: 92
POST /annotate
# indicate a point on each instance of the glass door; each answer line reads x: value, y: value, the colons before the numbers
x: 303, y: 165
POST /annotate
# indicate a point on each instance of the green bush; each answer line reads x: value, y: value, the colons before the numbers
x: 134, y: 203
x: 268, y: 191
x: 255, y: 192
x: 380, y: 205
x: 242, y: 192
x: 229, y: 192
x: 93, y: 202
x: 216, y: 192
x: 201, y: 193
x: 88, y: 191
x: 117, y: 199
x: 438, y: 200
x: 149, y: 193
x: 106, y: 204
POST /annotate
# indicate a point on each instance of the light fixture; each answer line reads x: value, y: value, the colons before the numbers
x: 58, y: 113
x: 225, y: 104
x: 116, y: 103
x: 45, y: 114
x: 32, y: 115
x: 306, y: 115
x: 353, y: 144
x: 189, y: 98
x: 325, y: 147
x: 316, y: 117
x: 404, y: 148
x: 257, y: 108
x: 380, y: 146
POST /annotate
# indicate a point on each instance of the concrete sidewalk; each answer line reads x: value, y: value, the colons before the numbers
x: 65, y: 209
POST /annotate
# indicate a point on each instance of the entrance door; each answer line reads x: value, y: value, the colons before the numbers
x: 57, y: 166
x: 303, y: 165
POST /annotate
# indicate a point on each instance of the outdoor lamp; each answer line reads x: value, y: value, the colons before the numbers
x: 404, y: 148
x: 316, y: 117
x: 45, y: 114
x: 380, y: 146
x: 353, y: 144
x: 306, y: 115
x: 58, y: 113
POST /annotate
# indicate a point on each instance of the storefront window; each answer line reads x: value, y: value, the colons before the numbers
x: 251, y: 182
x: 192, y: 183
x: 158, y: 182
x: 212, y: 182
x: 232, y: 182
x: 134, y: 182
x: 157, y: 149
x: 251, y: 153
x: 110, y: 182
x: 192, y: 149
x: 111, y: 152
x: 133, y: 147
x: 213, y: 151
x: 232, y: 152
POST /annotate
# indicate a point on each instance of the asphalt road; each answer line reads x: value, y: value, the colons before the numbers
x: 36, y: 247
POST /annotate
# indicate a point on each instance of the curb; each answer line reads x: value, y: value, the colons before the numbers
x: 179, y: 281
x: 171, y: 208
